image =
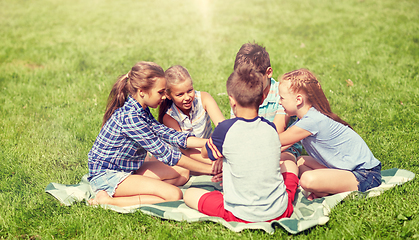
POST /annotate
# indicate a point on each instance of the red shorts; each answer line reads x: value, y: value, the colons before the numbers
x: 212, y: 203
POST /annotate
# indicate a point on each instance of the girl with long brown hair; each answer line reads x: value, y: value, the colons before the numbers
x: 338, y: 159
x: 117, y: 170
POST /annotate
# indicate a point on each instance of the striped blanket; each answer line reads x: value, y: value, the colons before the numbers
x: 306, y: 214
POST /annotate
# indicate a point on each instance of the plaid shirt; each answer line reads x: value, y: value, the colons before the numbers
x: 126, y: 137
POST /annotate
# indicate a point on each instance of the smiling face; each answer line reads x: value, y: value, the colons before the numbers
x: 154, y: 96
x: 182, y: 95
x: 288, y: 100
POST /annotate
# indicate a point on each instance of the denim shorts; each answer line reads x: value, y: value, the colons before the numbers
x: 108, y: 181
x: 295, y: 150
x: 368, y: 178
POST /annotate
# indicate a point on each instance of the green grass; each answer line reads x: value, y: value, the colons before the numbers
x: 59, y: 59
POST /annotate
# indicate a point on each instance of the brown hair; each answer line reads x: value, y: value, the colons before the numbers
x: 174, y: 75
x: 255, y: 55
x: 142, y: 75
x: 303, y: 81
x: 245, y: 85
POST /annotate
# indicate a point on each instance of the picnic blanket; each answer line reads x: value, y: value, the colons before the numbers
x: 306, y: 214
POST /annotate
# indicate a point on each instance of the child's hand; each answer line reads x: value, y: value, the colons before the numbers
x: 217, y: 166
x: 217, y: 171
x: 218, y: 178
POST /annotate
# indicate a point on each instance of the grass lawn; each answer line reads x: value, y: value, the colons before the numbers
x: 59, y: 59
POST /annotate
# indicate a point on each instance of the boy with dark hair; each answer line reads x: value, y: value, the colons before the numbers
x: 249, y: 148
x: 257, y: 56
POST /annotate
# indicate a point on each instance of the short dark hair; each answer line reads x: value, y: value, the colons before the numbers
x: 255, y: 55
x: 245, y: 85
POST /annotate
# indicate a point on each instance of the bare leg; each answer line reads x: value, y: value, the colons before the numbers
x: 322, y: 181
x: 137, y: 189
x: 157, y: 170
x: 307, y: 163
x: 195, y: 154
x: 288, y: 163
x: 192, y: 196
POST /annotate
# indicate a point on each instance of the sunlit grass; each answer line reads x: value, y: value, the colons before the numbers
x: 59, y: 59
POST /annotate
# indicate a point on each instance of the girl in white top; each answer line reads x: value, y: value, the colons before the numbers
x: 339, y: 159
x: 187, y: 110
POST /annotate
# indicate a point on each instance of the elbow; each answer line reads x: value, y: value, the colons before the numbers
x: 281, y: 140
x: 204, y: 154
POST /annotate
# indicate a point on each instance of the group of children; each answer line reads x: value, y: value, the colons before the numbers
x: 256, y: 153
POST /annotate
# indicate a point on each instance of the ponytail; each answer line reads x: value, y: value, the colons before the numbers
x: 116, y: 98
x: 304, y: 81
x: 142, y: 75
x: 320, y: 102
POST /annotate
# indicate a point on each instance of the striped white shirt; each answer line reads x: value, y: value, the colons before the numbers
x: 198, y: 122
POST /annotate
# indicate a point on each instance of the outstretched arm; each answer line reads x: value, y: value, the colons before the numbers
x: 195, y: 142
x: 293, y: 135
x: 212, y: 108
x: 281, y: 121
x: 194, y: 166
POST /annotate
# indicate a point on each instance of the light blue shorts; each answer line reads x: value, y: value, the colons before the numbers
x: 108, y: 181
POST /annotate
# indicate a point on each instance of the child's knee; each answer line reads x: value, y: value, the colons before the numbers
x: 307, y: 180
x: 288, y: 156
x: 189, y: 195
x: 192, y: 197
x: 174, y: 195
x: 184, y: 173
x: 288, y: 166
x: 184, y: 177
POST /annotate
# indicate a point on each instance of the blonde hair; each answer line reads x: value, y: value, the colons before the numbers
x: 174, y: 75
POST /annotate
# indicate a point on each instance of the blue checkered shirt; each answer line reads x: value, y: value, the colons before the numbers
x: 130, y: 133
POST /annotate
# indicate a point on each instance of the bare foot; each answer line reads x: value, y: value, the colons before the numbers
x: 102, y: 197
x: 311, y: 197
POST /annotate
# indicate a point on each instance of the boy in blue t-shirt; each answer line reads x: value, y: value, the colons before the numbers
x: 256, y: 188
x: 258, y: 58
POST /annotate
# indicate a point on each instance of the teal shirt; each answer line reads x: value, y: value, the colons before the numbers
x: 270, y: 108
